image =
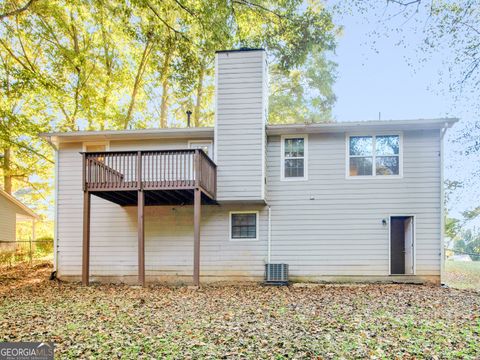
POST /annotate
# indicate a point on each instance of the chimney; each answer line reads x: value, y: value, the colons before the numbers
x: 241, y: 96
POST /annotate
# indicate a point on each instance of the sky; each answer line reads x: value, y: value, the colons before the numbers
x: 379, y: 78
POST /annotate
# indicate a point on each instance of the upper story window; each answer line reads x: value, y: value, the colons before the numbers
x: 374, y: 155
x: 294, y: 157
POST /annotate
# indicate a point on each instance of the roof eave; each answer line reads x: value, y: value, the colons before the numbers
x: 29, y: 212
x: 420, y: 124
x: 171, y: 133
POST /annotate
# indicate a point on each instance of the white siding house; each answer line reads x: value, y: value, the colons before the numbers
x: 336, y: 201
x: 11, y: 212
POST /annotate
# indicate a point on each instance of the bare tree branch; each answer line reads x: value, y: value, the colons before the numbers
x: 17, y: 11
x: 165, y: 23
x: 251, y: 4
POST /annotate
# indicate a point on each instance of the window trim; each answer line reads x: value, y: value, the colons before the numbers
x: 374, y: 173
x: 305, y: 157
x: 190, y: 142
x: 95, y: 143
x: 257, y: 214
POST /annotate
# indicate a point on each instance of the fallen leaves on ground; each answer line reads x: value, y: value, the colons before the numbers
x: 249, y: 321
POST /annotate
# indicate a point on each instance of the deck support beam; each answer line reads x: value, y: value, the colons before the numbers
x: 141, y: 237
x: 197, y: 208
x: 86, y: 238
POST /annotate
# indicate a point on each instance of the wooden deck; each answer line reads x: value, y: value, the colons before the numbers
x: 143, y: 178
x: 167, y: 177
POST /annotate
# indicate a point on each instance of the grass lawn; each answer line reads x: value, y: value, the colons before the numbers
x: 463, y: 274
x: 362, y: 321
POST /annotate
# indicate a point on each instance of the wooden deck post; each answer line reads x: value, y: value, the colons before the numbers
x: 86, y: 238
x: 141, y: 238
x: 197, y: 207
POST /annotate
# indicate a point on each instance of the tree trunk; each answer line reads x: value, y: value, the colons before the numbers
x: 7, y: 176
x: 165, y: 86
x: 164, y: 105
x: 138, y: 80
x: 198, y: 103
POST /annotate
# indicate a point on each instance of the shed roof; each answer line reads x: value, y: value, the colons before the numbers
x: 21, y: 209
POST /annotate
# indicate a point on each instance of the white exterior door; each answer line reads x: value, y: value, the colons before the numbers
x: 409, y: 253
x: 205, y: 145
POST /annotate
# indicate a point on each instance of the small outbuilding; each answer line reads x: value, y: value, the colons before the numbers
x: 12, y: 211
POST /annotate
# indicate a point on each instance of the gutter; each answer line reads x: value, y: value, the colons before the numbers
x: 269, y: 236
x: 55, y: 208
x: 55, y: 214
x: 443, y: 131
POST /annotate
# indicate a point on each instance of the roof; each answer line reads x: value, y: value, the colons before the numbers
x: 208, y: 132
x: 22, y: 208
x: 75, y: 136
x: 352, y: 126
x: 244, y: 49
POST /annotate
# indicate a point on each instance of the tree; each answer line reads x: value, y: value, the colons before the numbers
x: 98, y: 64
x: 451, y: 30
x: 303, y: 94
x: 13, y: 10
x: 468, y: 243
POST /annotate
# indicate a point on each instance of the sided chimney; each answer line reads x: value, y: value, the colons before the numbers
x: 241, y: 97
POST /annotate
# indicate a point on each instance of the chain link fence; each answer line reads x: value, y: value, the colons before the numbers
x: 25, y: 251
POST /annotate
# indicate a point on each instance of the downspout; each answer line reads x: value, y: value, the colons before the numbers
x: 55, y: 216
x: 55, y: 211
x: 442, y: 205
x: 269, y: 236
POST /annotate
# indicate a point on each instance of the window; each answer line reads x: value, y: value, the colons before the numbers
x: 244, y: 225
x: 294, y: 157
x: 374, y: 155
x: 206, y: 146
x: 95, y: 146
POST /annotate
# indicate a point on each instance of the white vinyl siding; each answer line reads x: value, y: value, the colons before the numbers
x: 330, y: 226
x: 240, y: 125
x: 168, y: 230
x: 333, y: 226
x: 7, y: 223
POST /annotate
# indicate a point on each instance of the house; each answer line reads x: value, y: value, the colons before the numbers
x: 461, y: 257
x: 356, y: 201
x: 13, y: 211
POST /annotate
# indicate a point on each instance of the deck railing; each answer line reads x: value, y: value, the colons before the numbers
x: 149, y: 170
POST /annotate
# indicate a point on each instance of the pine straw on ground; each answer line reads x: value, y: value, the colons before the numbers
x: 119, y: 321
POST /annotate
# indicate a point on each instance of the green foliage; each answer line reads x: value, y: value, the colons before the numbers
x: 468, y: 243
x: 463, y: 274
x: 44, y: 245
x: 302, y: 95
x: 98, y: 64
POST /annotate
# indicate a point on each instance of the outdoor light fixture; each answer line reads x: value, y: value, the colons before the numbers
x: 384, y: 222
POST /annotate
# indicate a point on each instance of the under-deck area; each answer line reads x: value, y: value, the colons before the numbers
x: 148, y: 178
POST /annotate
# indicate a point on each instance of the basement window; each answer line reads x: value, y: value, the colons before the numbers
x: 244, y: 226
x: 374, y: 156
